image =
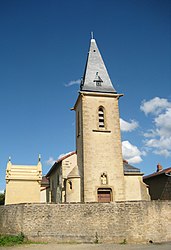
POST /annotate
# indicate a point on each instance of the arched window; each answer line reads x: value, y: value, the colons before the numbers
x: 101, y: 117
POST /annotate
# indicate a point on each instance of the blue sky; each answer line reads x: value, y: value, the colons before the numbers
x: 43, y: 50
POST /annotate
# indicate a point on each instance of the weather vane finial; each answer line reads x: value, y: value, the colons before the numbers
x: 92, y: 35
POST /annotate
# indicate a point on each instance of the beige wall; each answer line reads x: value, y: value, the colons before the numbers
x: 43, y: 195
x: 73, y: 193
x: 99, y: 150
x: 68, y: 164
x: 58, y: 181
x: 79, y: 143
x: 23, y: 183
x: 110, y: 222
x: 22, y: 191
x: 135, y: 189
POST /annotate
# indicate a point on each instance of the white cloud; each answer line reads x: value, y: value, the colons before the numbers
x: 50, y: 161
x: 154, y: 106
x: 163, y: 123
x: 159, y: 137
x: 150, y: 133
x: 74, y: 82
x: 128, y: 126
x: 161, y: 146
x: 131, y: 153
x: 162, y: 142
x: 1, y: 191
x: 163, y: 152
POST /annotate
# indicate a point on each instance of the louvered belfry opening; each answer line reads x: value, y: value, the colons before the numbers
x: 101, y: 118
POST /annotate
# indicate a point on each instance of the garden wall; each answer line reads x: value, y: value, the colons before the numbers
x: 139, y: 221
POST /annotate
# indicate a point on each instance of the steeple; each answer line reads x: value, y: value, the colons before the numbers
x: 98, y: 133
x: 96, y: 78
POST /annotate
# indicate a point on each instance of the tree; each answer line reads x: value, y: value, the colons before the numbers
x: 2, y: 198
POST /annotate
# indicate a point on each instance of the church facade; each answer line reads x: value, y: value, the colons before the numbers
x: 99, y: 173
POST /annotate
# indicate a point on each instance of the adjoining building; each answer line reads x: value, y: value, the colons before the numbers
x: 23, y: 183
x: 96, y: 172
x: 64, y: 180
x: 64, y: 183
x: 159, y: 183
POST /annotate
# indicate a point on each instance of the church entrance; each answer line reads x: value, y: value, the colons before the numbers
x: 104, y: 194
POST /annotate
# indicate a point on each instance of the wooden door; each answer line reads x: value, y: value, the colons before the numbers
x: 104, y: 195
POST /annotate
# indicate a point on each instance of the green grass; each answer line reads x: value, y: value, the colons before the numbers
x: 11, y: 240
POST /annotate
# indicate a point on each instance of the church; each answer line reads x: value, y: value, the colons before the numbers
x: 96, y: 171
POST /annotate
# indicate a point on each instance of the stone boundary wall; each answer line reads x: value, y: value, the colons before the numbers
x: 136, y: 221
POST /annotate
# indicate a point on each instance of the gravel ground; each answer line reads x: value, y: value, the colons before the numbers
x: 53, y: 246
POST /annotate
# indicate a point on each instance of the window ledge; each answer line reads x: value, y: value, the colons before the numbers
x: 101, y: 130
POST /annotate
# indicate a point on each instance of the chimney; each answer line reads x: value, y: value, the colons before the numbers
x: 159, y: 167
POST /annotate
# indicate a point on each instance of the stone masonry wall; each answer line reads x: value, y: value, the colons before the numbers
x: 139, y: 221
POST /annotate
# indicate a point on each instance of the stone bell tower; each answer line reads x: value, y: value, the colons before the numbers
x: 98, y: 141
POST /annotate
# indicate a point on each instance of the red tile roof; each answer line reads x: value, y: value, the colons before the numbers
x: 164, y: 171
x: 65, y: 156
x: 45, y: 181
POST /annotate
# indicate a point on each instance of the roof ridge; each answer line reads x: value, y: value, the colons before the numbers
x: 166, y: 170
x: 65, y: 156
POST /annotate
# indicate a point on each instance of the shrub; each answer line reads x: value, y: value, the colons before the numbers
x: 2, y: 199
x: 11, y: 240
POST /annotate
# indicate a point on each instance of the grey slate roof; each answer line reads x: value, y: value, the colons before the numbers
x: 96, y: 77
x: 129, y: 168
x: 74, y: 172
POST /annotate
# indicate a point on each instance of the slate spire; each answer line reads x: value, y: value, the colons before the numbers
x: 96, y: 78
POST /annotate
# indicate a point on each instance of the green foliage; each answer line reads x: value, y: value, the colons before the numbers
x: 11, y: 240
x: 124, y: 242
x: 2, y: 199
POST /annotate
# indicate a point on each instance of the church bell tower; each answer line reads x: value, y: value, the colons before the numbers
x: 98, y: 140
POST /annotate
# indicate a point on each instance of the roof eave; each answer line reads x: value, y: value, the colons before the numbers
x: 134, y: 173
x: 55, y: 165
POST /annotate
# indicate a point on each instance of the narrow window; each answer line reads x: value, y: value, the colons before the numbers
x: 70, y: 184
x: 101, y: 117
x: 78, y: 124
